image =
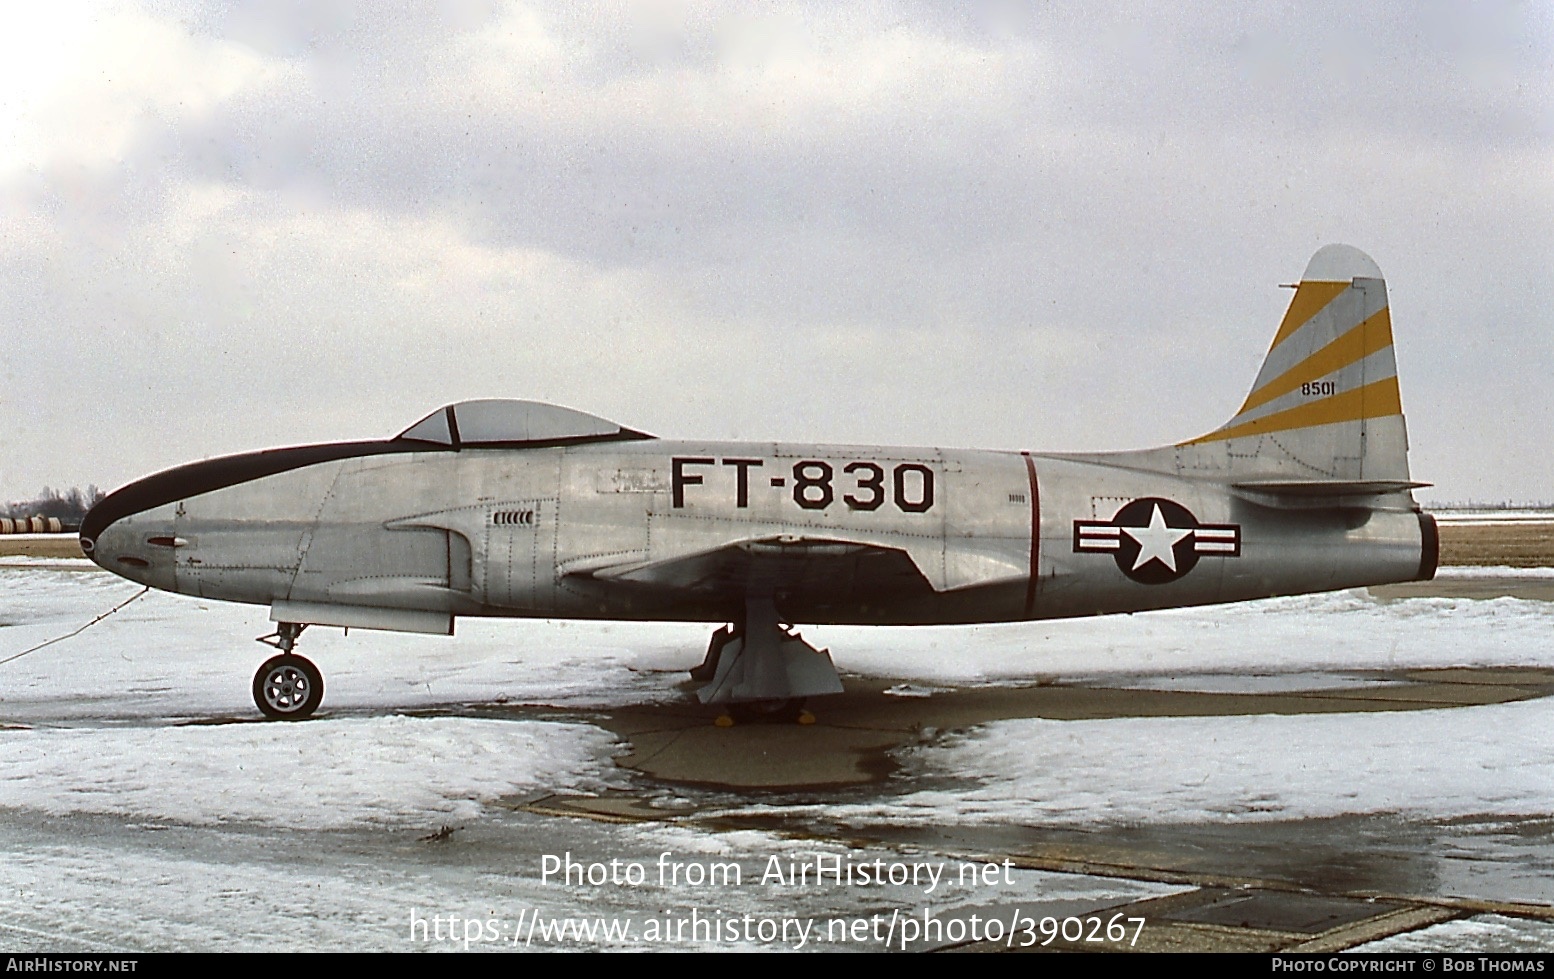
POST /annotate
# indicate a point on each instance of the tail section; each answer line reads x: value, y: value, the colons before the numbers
x: 1314, y: 465
x: 1325, y: 410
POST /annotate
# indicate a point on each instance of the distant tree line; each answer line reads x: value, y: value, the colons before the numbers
x: 69, y: 507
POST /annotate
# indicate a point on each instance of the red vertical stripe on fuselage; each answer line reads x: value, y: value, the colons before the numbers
x: 1030, y: 587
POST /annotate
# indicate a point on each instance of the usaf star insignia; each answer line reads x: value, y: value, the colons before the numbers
x: 1155, y: 540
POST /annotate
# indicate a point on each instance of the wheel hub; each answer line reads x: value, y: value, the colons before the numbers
x: 286, y: 688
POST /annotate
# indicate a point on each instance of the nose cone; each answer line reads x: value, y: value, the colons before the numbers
x: 99, y: 535
x: 90, y: 546
x: 128, y: 544
x: 97, y: 522
x: 126, y: 533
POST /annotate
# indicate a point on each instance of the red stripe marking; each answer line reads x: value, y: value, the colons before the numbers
x: 1030, y: 588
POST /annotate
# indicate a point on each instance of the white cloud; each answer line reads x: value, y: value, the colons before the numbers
x: 876, y: 222
x: 83, y: 80
x: 718, y: 73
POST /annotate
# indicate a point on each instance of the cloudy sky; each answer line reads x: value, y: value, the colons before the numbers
x: 227, y: 226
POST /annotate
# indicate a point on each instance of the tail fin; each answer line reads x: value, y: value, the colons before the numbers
x: 1324, y: 416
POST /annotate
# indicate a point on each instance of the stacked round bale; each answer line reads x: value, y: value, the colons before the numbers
x: 31, y: 525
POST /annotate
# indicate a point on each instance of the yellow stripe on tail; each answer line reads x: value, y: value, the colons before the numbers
x: 1331, y: 362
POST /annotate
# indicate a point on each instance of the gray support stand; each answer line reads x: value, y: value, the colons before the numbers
x: 768, y: 663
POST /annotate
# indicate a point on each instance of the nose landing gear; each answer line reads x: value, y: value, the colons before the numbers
x: 287, y: 687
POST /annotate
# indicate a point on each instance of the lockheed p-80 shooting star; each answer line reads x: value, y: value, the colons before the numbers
x: 513, y: 508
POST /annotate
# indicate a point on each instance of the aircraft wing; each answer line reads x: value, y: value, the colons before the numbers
x: 795, y: 567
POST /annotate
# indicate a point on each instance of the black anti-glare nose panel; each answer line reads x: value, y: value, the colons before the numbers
x: 213, y: 474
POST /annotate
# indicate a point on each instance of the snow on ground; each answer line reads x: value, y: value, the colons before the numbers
x: 225, y: 890
x: 1484, y: 933
x: 30, y: 561
x: 1433, y: 764
x: 100, y: 705
x: 381, y: 770
x: 1335, y: 631
x: 169, y: 656
x: 1495, y: 572
x: 221, y: 826
x: 1429, y: 764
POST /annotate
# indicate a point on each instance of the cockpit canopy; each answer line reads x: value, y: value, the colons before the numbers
x: 512, y: 423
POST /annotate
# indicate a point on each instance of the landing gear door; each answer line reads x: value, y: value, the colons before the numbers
x: 520, y: 565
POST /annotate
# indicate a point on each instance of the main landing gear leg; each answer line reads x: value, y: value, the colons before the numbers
x: 764, y: 671
x: 287, y: 687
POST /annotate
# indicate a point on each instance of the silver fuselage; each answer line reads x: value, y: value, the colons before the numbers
x: 619, y: 529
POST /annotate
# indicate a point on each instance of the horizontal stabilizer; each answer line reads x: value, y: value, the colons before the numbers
x: 1328, y: 487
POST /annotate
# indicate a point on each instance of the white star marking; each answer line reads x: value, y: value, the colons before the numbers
x: 1157, y: 541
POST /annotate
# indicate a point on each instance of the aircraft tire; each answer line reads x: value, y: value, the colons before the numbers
x: 288, y: 688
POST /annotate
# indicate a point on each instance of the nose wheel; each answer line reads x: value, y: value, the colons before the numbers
x: 287, y: 687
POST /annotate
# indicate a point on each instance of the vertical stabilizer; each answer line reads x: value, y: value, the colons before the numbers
x: 1325, y: 405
